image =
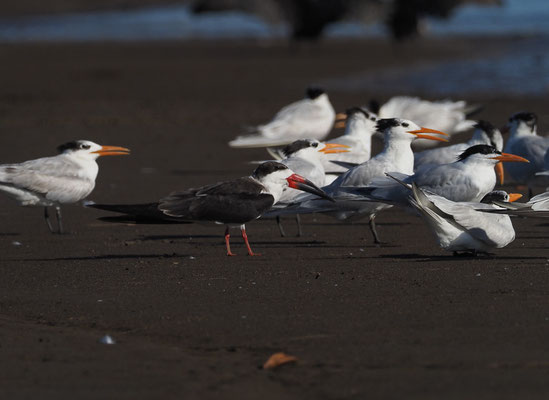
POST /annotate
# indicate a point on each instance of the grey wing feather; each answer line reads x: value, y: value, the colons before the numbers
x: 52, y: 177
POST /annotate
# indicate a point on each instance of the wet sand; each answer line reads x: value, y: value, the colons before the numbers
x: 404, y: 320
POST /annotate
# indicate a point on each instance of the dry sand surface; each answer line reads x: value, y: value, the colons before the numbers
x: 404, y: 320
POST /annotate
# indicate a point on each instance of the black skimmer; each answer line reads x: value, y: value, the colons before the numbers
x: 233, y: 203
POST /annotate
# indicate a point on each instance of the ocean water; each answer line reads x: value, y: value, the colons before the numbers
x: 523, y: 70
x: 177, y: 22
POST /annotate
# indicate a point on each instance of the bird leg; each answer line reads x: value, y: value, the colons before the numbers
x: 298, y: 222
x: 47, y: 217
x: 59, y: 219
x: 245, y: 237
x: 373, y: 229
x: 227, y: 237
x: 280, y: 228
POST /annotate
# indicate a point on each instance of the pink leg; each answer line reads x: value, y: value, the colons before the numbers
x: 245, y: 237
x: 227, y: 237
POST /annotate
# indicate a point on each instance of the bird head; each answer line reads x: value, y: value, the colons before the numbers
x: 483, y: 154
x: 500, y: 195
x: 487, y: 133
x: 275, y: 176
x: 309, y: 148
x: 90, y: 150
x: 398, y: 128
x: 357, y: 120
x: 522, y: 124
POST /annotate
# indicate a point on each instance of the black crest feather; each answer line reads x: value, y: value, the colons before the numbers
x: 313, y: 92
x: 296, y: 146
x: 488, y: 128
x: 357, y: 110
x: 386, y: 123
x: 529, y: 118
x: 267, y: 168
x: 374, y: 106
x: 74, y: 145
x: 478, y: 149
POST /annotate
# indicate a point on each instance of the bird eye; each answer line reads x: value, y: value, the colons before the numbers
x: 405, y: 124
x: 85, y: 146
x: 315, y: 144
x: 373, y: 118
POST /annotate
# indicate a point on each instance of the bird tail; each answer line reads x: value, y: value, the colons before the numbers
x: 138, y: 213
x: 472, y: 109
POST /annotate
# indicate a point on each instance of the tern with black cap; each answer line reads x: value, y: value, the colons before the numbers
x: 62, y: 179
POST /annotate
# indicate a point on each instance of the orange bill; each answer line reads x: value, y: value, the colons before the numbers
x: 510, y: 158
x: 340, y: 120
x: 112, y: 151
x: 500, y: 173
x: 419, y: 132
x: 332, y: 148
x: 341, y: 116
x: 514, y: 197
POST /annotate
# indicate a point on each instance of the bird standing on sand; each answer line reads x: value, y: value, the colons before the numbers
x: 233, y: 203
x: 310, y: 118
x: 51, y: 181
x: 524, y: 141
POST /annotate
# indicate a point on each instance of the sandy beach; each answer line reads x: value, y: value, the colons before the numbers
x: 404, y: 320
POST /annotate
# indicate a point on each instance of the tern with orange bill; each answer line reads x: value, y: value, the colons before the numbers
x: 233, y: 203
x: 360, y: 126
x: 62, y: 179
x: 468, y: 179
x: 304, y: 157
x: 484, y: 133
x: 396, y: 156
x: 447, y: 115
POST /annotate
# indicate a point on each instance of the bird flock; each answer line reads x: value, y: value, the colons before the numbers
x: 452, y: 188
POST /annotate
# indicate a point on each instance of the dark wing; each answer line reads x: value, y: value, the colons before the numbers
x: 236, y: 202
x: 139, y: 213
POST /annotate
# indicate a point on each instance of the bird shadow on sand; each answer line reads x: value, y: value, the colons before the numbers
x: 175, y: 237
x: 109, y: 257
x: 451, y: 257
